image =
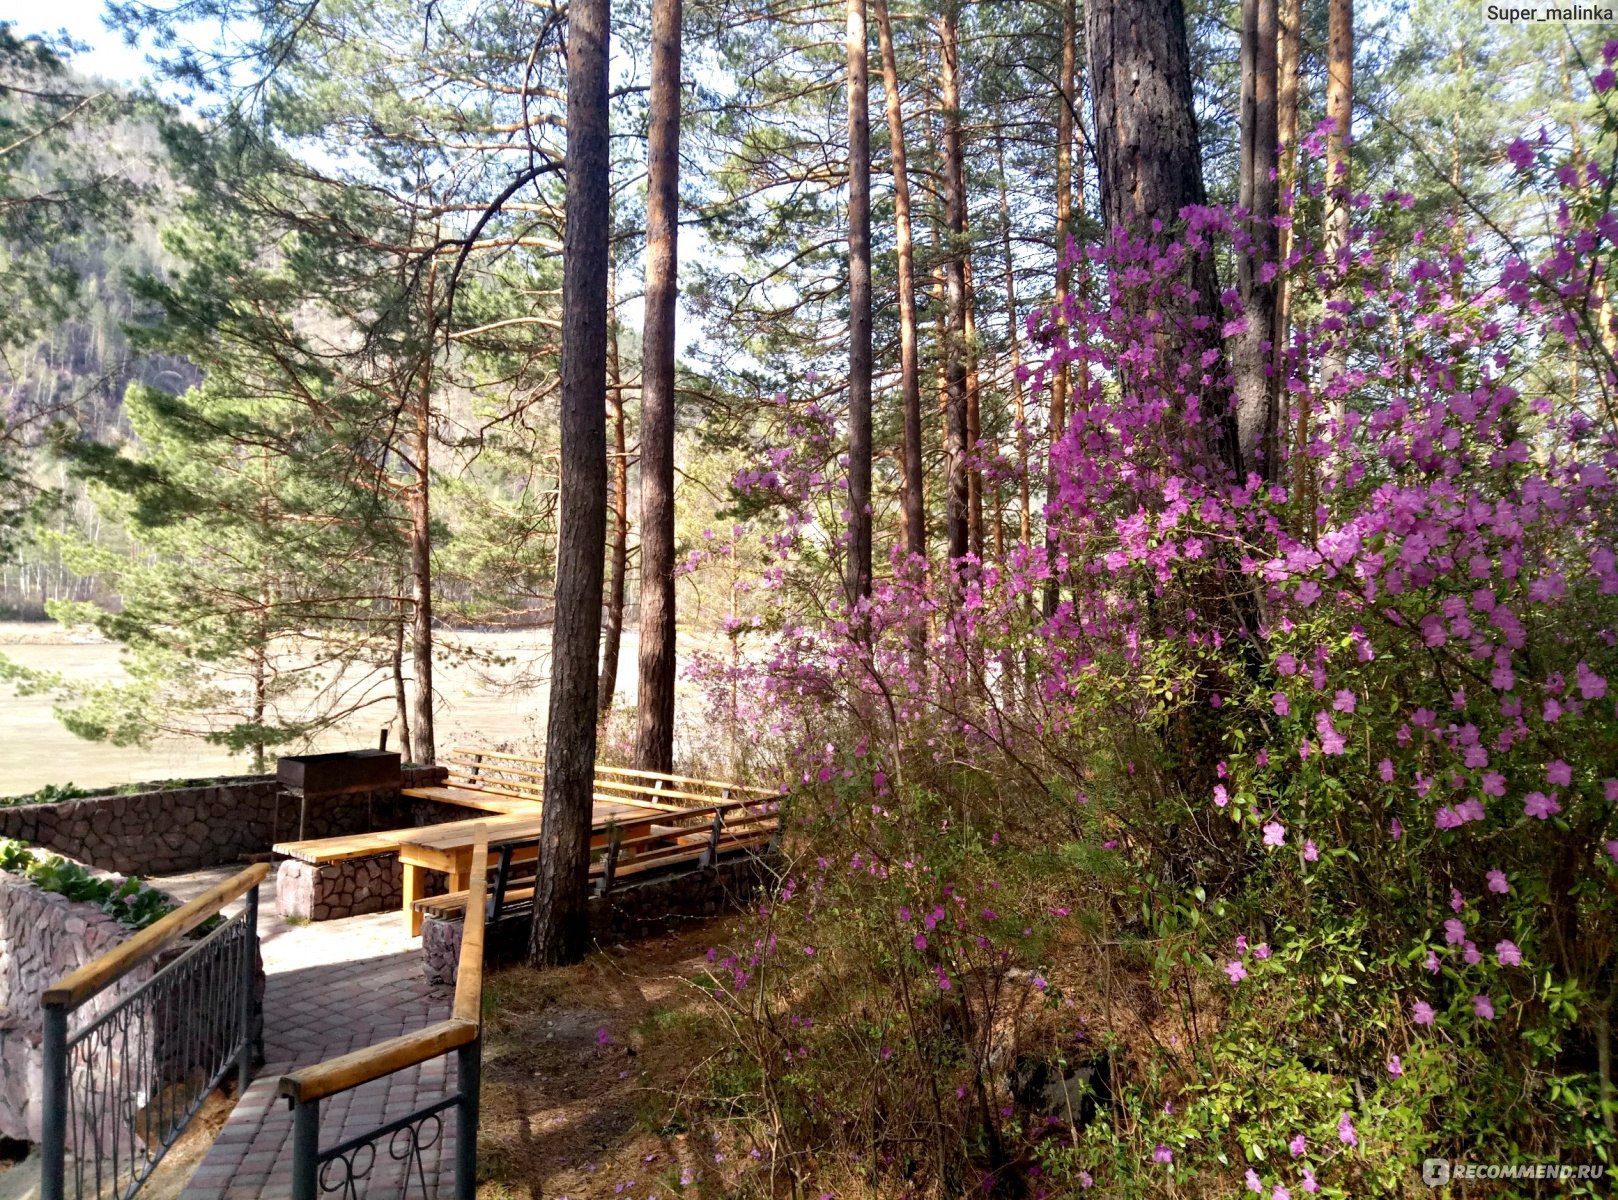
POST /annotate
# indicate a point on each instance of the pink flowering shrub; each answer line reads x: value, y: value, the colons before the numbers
x: 1325, y: 756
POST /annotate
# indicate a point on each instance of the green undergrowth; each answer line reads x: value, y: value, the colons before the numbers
x: 58, y: 793
x: 134, y: 903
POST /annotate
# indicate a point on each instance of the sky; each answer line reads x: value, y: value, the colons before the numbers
x: 108, y: 57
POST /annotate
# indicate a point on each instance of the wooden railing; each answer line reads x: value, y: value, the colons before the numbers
x: 462, y: 1033
x: 119, y: 1090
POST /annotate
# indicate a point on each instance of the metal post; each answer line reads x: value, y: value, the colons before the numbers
x: 53, y: 1145
x: 711, y: 855
x: 249, y: 978
x: 609, y: 868
x: 469, y: 1070
x: 305, y: 1149
x: 502, y: 877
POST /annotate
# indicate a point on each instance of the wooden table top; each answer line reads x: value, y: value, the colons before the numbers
x: 459, y: 835
x: 456, y: 835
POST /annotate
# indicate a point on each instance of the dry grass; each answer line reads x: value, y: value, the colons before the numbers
x: 585, y: 1070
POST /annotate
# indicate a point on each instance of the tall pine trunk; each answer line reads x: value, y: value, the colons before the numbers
x: 858, y: 581
x: 654, y: 734
x: 974, y: 414
x: 1066, y: 100
x: 1024, y: 515
x: 613, y: 629
x: 401, y: 703
x: 1148, y: 153
x: 421, y: 548
x: 1255, y: 384
x: 1340, y: 116
x: 955, y: 448
x: 560, y: 932
x: 1150, y: 168
x: 915, y: 503
x: 1289, y: 56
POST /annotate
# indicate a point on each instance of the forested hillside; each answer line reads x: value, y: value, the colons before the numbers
x: 1143, y: 476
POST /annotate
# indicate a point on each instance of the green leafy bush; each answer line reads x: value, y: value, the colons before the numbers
x: 132, y: 902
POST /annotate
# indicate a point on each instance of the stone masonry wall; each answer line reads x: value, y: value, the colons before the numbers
x: 631, y: 910
x: 43, y: 936
x: 183, y: 829
x: 352, y: 886
x: 329, y: 891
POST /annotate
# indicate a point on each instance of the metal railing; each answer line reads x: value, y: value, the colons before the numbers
x: 348, y: 1168
x: 121, y: 1086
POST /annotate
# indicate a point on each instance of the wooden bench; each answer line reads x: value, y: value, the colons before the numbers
x: 495, y: 781
x: 710, y: 834
x: 698, y: 820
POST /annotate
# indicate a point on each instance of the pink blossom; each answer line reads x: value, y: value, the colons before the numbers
x: 1497, y: 882
x: 1483, y: 1006
x: 1538, y: 804
x: 1310, y: 852
x: 1559, y: 773
x: 1236, y: 970
x: 1253, y: 1183
x: 1331, y: 742
x: 1275, y: 834
x: 1298, y: 1145
x: 1309, y: 1184
x: 1422, y: 1013
x: 1345, y: 1131
x: 1508, y: 953
x: 1395, y: 1067
x: 1454, y: 932
x: 1343, y: 701
x: 1591, y: 685
x: 1283, y: 707
x: 1162, y: 1154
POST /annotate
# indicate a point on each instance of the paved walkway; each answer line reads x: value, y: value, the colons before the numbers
x: 331, y: 987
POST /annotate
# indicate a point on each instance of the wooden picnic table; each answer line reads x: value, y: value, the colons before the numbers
x: 448, y: 847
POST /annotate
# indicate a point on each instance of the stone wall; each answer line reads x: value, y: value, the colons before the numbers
x: 630, y: 910
x: 43, y: 936
x: 329, y: 891
x: 183, y: 829
x: 353, y: 886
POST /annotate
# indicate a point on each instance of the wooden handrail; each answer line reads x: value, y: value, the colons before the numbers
x: 77, y: 987
x: 373, y: 1062
x: 463, y: 1027
x: 469, y: 971
x: 526, y: 758
x: 720, y: 783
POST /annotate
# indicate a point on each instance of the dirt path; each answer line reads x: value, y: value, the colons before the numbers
x: 585, y: 1071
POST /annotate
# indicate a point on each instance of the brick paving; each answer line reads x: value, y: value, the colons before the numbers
x: 331, y: 987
